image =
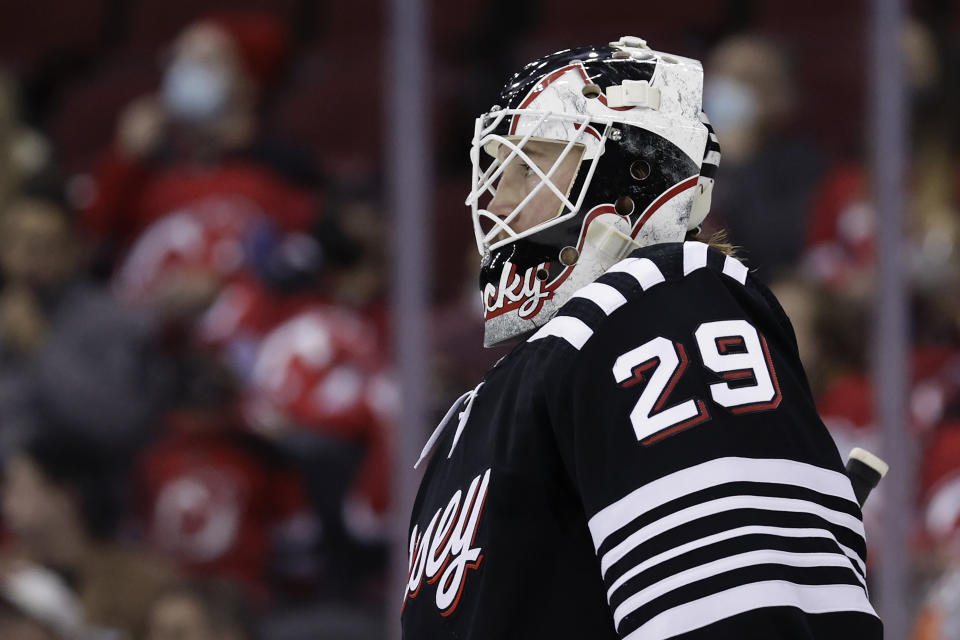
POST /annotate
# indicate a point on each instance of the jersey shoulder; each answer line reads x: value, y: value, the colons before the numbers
x: 663, y: 283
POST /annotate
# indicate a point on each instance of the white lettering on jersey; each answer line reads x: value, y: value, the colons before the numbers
x: 443, y: 552
x: 524, y: 293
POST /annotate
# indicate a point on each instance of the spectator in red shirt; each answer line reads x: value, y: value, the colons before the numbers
x: 194, y: 148
x: 216, y: 498
x: 841, y: 227
x: 937, y: 556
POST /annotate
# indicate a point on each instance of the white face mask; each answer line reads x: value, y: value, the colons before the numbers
x: 730, y: 103
x: 194, y: 92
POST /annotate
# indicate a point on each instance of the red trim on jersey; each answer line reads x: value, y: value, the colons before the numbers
x: 775, y: 402
x: 453, y: 525
x: 440, y: 571
x: 472, y: 565
x: 702, y: 413
x: 638, y: 372
x: 725, y: 344
x: 463, y: 581
x: 662, y: 400
x: 414, y: 594
x: 702, y: 416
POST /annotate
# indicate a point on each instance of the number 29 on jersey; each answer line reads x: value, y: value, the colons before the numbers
x: 732, y: 349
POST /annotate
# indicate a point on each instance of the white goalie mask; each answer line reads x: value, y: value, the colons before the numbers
x: 588, y: 154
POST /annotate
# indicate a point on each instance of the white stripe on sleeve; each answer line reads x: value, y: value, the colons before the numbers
x: 729, y: 534
x: 735, y: 269
x: 772, y: 593
x: 713, y: 473
x: 694, y: 256
x: 710, y: 569
x: 603, y: 295
x: 720, y: 505
x: 643, y: 270
x: 573, y: 330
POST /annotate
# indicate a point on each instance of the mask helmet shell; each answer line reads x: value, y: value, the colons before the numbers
x: 522, y: 281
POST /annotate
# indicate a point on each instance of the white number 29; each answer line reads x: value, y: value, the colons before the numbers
x: 667, y: 361
x: 733, y: 349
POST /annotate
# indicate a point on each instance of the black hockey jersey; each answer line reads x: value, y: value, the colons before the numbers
x: 648, y: 465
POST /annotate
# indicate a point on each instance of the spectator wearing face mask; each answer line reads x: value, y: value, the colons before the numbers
x: 768, y: 169
x: 194, y: 148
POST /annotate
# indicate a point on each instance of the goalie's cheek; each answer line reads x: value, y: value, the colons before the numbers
x: 545, y: 205
x: 511, y: 189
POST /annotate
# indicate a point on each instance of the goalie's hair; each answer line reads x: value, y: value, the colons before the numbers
x: 718, y: 240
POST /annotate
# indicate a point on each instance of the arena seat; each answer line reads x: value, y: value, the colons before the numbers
x: 86, y: 118
x: 352, y: 23
x: 31, y: 32
x: 333, y: 104
x: 154, y: 23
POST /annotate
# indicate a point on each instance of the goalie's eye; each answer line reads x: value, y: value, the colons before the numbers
x: 525, y: 169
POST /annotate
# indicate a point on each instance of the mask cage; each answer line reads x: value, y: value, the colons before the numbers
x: 490, y: 134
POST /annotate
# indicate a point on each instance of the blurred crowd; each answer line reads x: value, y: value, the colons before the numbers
x: 196, y: 394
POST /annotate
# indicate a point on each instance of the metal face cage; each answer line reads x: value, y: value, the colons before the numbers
x: 491, y: 131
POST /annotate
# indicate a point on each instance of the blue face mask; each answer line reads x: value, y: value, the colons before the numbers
x: 194, y: 92
x: 730, y: 103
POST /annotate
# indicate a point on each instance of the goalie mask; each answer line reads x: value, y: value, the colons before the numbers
x: 588, y: 154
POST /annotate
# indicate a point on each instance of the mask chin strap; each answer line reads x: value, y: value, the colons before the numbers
x: 607, y: 241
